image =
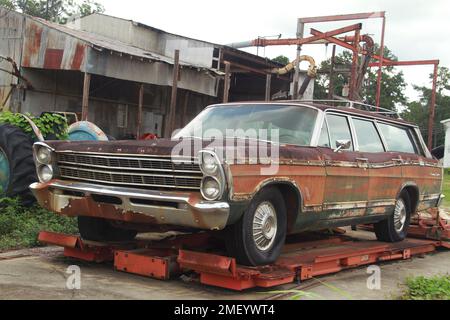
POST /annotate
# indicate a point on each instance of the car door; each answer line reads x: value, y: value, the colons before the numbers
x: 385, y: 168
x: 347, y: 178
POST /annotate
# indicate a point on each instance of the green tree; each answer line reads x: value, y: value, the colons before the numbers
x: 392, y: 84
x: 281, y: 59
x: 54, y: 10
x: 418, y: 111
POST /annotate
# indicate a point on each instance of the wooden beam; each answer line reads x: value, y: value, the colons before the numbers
x: 85, y: 101
x: 170, y: 121
x: 226, y: 85
x: 139, y: 113
x: 268, y: 87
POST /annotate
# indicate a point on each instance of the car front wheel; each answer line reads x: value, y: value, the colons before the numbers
x: 395, y: 228
x: 258, y: 237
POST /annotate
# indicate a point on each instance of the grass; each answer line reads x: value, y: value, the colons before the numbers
x: 446, y: 188
x: 422, y: 288
x: 19, y: 226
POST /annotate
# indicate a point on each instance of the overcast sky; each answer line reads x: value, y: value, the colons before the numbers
x: 415, y: 29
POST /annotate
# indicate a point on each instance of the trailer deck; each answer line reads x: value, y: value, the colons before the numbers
x: 303, y: 257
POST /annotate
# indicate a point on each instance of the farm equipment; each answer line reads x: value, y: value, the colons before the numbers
x: 18, y: 133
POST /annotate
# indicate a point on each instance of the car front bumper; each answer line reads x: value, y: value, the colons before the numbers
x: 184, y: 209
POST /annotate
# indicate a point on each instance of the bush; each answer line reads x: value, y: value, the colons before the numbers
x: 20, y: 226
x: 422, y: 288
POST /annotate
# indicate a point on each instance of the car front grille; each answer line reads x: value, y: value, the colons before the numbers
x: 131, y: 171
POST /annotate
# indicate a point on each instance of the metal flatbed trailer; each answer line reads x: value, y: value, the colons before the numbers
x: 303, y: 257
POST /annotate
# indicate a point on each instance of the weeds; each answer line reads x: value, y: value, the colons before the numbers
x: 20, y: 226
x: 422, y: 288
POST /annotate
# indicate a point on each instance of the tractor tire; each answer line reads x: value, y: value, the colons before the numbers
x: 18, y: 171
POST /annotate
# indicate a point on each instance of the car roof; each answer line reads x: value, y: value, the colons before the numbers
x: 324, y: 107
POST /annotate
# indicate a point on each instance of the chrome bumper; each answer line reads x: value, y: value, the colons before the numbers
x: 133, y: 205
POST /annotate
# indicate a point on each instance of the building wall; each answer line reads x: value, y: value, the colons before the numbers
x: 11, y: 28
x: 113, y: 103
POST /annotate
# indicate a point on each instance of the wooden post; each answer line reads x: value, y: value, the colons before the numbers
x: 226, y: 85
x: 139, y: 113
x: 170, y: 117
x: 268, y: 86
x: 85, y: 102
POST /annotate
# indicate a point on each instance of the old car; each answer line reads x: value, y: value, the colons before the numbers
x: 336, y: 165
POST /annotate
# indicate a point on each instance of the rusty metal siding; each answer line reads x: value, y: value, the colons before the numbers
x: 156, y: 73
x: 193, y: 51
x: 46, y: 48
x: 11, y: 28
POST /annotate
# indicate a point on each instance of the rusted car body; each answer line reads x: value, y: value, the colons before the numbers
x: 139, y: 184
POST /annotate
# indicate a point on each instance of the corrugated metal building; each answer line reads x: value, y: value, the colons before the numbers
x: 111, y: 66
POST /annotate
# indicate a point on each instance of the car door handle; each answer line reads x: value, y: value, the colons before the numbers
x: 362, y: 159
x: 399, y: 161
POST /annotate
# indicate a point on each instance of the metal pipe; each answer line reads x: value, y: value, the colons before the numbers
x: 380, y: 66
x: 261, y: 42
x: 312, y: 70
x: 432, y: 108
x: 343, y: 17
x: 331, y: 84
x: 300, y: 35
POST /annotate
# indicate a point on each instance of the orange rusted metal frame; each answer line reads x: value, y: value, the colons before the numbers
x: 357, y: 16
x: 262, y: 42
x: 299, y: 261
x: 304, y: 264
x: 435, y: 63
x: 74, y: 247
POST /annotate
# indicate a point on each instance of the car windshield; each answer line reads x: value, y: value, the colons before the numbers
x: 285, y: 124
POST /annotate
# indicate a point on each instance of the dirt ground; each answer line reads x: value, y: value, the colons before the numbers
x: 40, y: 273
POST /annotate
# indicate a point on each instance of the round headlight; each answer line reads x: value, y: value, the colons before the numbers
x: 209, y: 164
x: 210, y: 188
x: 44, y: 155
x: 45, y: 173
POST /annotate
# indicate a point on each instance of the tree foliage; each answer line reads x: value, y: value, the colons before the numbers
x: 418, y: 111
x: 54, y: 10
x: 392, y: 85
x: 281, y: 59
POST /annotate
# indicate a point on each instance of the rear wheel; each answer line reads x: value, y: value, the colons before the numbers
x: 17, y: 169
x: 258, y: 237
x: 395, y: 228
x: 97, y: 229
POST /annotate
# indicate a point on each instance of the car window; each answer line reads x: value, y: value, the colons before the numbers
x: 368, y: 138
x: 339, y: 129
x: 398, y: 139
x: 288, y: 124
x: 324, y: 139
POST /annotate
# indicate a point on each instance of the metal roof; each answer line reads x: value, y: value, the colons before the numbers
x: 102, y: 43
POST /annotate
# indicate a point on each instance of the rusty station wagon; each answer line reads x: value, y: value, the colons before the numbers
x: 337, y: 166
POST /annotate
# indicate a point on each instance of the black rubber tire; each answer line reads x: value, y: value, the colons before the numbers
x: 385, y: 230
x: 97, y: 229
x: 18, y: 147
x: 239, y: 237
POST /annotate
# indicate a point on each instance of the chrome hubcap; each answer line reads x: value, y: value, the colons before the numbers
x: 264, y: 226
x: 4, y: 172
x: 399, y: 216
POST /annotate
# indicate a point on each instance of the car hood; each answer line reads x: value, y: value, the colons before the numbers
x: 166, y: 147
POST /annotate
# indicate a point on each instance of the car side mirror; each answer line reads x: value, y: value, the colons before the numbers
x: 343, y: 145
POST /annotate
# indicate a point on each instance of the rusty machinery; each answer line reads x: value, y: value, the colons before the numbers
x: 352, y: 43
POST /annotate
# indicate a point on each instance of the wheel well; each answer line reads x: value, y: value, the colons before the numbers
x: 292, y: 199
x: 413, y: 194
